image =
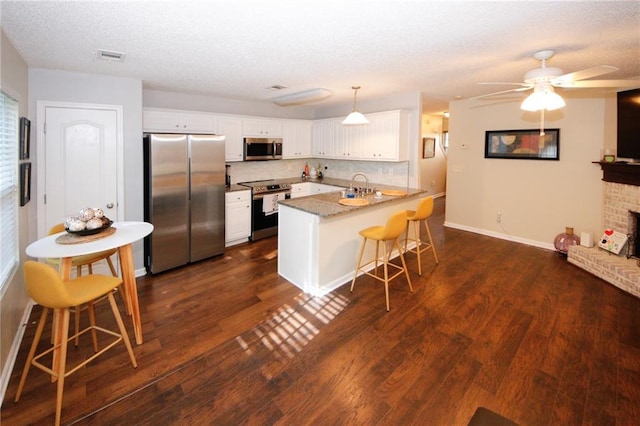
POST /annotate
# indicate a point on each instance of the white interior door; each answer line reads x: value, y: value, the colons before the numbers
x: 81, y: 162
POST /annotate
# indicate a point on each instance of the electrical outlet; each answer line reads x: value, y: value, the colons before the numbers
x: 433, y: 183
x: 499, y: 217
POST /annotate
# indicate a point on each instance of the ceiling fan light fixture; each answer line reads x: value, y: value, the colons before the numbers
x: 355, y: 117
x: 543, y: 98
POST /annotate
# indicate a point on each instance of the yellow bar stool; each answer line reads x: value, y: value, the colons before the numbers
x: 388, y: 235
x: 425, y: 208
x: 48, y: 290
x: 85, y: 260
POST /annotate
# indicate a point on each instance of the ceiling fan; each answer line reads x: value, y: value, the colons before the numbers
x: 543, y: 80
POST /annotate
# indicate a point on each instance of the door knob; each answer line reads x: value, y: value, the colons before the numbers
x: 110, y: 205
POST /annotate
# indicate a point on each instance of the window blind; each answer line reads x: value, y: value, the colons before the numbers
x: 8, y: 187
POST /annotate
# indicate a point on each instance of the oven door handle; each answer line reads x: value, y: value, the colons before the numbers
x: 287, y: 194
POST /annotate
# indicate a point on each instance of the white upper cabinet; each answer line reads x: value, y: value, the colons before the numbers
x: 385, y: 138
x: 178, y: 122
x: 231, y: 128
x: 296, y: 142
x: 265, y: 128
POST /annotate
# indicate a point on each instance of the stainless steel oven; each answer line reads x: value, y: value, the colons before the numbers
x: 262, y: 149
x: 264, y: 206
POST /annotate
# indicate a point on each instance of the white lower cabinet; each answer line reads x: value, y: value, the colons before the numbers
x: 300, y: 189
x: 237, y: 217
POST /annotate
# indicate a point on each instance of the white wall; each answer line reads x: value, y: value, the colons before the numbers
x: 63, y: 86
x: 14, y: 298
x: 537, y: 199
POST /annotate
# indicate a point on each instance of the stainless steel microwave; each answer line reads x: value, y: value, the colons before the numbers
x: 262, y: 149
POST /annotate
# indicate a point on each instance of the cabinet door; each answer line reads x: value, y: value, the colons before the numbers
x: 262, y: 128
x: 198, y: 123
x: 300, y: 190
x: 231, y: 128
x: 178, y: 122
x: 238, y: 216
x: 296, y: 139
x: 324, y: 136
x: 161, y: 121
x: 390, y: 136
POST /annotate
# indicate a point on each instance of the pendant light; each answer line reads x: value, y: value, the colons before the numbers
x: 355, y: 117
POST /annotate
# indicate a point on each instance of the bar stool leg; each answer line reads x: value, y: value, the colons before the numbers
x: 358, y: 263
x: 32, y: 352
x: 404, y: 265
x: 433, y: 247
x: 62, y: 363
x: 386, y: 255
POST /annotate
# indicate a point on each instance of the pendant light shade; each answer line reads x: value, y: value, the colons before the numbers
x: 355, y: 117
x: 543, y: 97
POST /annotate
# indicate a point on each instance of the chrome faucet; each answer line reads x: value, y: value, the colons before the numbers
x: 353, y: 179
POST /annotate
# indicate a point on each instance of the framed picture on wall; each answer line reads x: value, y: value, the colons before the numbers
x: 428, y: 147
x: 25, y: 138
x: 25, y: 183
x: 522, y: 144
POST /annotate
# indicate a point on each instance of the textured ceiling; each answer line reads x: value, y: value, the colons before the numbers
x: 236, y: 49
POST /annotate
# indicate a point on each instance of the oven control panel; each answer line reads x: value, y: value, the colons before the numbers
x: 259, y: 189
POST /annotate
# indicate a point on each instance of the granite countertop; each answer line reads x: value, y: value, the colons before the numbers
x: 235, y: 187
x: 326, y: 205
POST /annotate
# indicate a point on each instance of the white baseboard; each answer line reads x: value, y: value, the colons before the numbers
x: 542, y: 245
x: 13, y: 353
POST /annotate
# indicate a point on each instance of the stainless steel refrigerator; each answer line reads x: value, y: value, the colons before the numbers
x: 184, y: 199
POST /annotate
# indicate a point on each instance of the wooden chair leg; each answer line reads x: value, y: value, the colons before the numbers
x: 32, y: 352
x: 404, y: 265
x: 416, y: 230
x: 92, y: 321
x: 123, y: 330
x: 355, y: 275
x: 433, y: 247
x: 386, y: 255
x: 111, y: 267
x: 62, y: 364
x: 76, y: 323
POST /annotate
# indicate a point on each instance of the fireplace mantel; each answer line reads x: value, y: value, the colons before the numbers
x: 625, y: 173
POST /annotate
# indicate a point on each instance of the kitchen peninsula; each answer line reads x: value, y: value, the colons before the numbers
x: 319, y: 240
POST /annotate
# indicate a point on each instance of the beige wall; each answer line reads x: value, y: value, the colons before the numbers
x: 14, y: 299
x: 433, y: 171
x: 537, y: 199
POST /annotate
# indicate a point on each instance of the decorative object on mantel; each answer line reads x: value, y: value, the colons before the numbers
x: 564, y: 240
x: 609, y: 156
x: 612, y: 241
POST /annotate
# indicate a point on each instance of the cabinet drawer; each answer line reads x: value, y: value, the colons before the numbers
x: 237, y: 196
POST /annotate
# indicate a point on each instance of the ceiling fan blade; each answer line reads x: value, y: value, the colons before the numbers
x: 599, y: 83
x: 519, y: 89
x: 509, y: 84
x: 583, y: 74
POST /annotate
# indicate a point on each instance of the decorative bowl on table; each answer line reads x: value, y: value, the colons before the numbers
x: 89, y: 221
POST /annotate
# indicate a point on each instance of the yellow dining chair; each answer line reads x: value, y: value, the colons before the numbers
x: 85, y: 260
x: 388, y: 235
x: 425, y: 209
x: 46, y: 288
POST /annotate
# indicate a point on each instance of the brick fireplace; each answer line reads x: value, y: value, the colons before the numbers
x: 620, y: 212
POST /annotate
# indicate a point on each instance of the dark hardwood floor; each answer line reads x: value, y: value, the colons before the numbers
x: 497, y: 324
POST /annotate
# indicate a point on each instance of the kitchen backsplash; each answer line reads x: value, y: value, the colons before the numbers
x: 396, y: 174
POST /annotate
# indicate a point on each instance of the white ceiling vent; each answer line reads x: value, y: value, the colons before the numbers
x: 111, y: 56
